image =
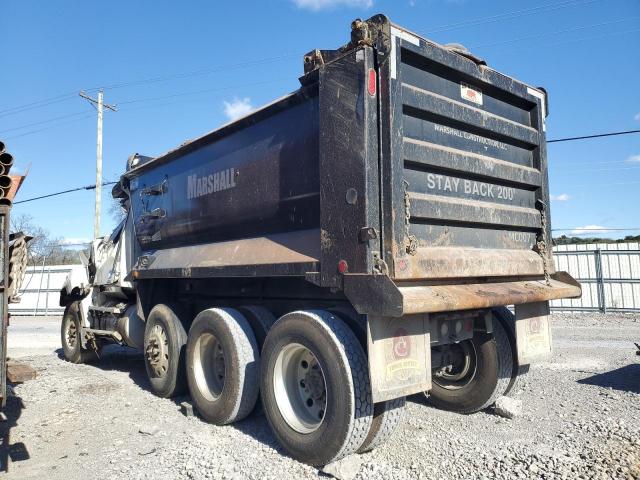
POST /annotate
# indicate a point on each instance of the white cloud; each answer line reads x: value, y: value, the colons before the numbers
x: 317, y: 5
x: 634, y: 159
x: 637, y: 117
x: 563, y: 197
x: 237, y: 107
x: 589, y: 229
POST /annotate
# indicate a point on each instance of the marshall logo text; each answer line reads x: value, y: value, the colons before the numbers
x: 197, y: 186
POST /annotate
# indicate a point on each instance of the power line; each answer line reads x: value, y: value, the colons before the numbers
x: 609, y: 162
x: 87, y: 187
x: 589, y: 230
x: 557, y: 32
x: 539, y: 46
x: 202, y: 71
x: 510, y: 15
x: 84, y: 112
x: 597, y: 135
x: 35, y: 104
x: 180, y: 75
x: 613, y: 169
x: 131, y: 101
x: 196, y: 92
x: 90, y: 115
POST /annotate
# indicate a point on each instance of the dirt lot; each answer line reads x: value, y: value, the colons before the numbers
x: 581, y: 420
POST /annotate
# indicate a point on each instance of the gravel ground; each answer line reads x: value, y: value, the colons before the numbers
x: 581, y: 419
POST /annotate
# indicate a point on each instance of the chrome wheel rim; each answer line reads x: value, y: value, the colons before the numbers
x: 300, y: 388
x: 157, y: 351
x: 461, y: 372
x: 209, y: 366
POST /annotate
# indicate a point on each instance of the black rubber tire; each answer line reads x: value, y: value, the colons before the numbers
x: 356, y: 322
x: 241, y: 361
x: 508, y: 321
x: 348, y: 415
x: 75, y: 353
x: 174, y: 382
x: 492, y: 375
x: 260, y: 319
x: 387, y: 417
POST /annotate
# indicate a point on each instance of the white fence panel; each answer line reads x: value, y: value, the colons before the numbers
x: 40, y: 292
x: 609, y: 274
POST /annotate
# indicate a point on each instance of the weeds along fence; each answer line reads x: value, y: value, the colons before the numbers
x: 609, y: 274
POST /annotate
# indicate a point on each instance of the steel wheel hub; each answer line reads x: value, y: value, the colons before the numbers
x: 157, y: 351
x: 209, y: 366
x: 300, y: 388
x: 461, y: 370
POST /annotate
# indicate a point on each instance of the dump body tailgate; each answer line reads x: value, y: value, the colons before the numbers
x: 464, y: 166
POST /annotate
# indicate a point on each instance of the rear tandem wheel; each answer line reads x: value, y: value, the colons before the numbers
x: 223, y: 365
x: 165, y: 341
x: 315, y: 387
x: 480, y: 373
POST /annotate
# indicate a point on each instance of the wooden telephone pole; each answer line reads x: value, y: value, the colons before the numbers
x: 100, y: 105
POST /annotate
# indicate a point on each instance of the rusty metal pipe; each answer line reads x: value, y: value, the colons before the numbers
x: 6, y: 160
x: 2, y: 146
x: 5, y: 181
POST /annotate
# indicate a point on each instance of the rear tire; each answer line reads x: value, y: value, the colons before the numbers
x: 485, y: 377
x: 387, y: 417
x: 260, y: 319
x: 70, y: 331
x: 165, y: 342
x: 518, y: 373
x: 315, y: 386
x: 223, y: 365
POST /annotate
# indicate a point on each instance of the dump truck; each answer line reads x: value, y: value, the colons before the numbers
x: 339, y: 249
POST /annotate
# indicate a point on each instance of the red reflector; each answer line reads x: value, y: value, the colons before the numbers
x: 371, y: 85
x: 343, y: 266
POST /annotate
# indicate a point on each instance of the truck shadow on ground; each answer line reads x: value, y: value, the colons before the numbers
x: 15, y: 452
x: 120, y: 359
x: 131, y: 361
x: 625, y: 379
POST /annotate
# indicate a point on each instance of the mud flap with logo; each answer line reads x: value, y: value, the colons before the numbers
x: 399, y: 356
x: 533, y: 332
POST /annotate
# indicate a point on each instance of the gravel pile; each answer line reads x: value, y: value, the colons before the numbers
x: 580, y: 419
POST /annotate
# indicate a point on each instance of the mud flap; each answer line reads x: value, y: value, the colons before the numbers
x: 399, y: 355
x: 533, y: 332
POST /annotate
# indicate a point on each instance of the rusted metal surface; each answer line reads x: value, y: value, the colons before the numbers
x: 442, y: 298
x: 16, y: 183
x: 449, y: 262
x: 295, y: 252
x: 19, y: 372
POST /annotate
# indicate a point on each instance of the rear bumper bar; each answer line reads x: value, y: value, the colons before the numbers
x: 378, y: 294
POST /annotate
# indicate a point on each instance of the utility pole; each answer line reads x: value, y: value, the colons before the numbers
x: 99, y: 105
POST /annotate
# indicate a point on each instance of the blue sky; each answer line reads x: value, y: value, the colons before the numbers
x: 178, y: 69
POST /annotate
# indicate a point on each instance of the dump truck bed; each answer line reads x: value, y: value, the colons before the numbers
x: 410, y: 175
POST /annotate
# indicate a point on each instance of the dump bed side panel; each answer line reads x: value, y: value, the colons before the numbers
x: 261, y: 178
x: 465, y: 166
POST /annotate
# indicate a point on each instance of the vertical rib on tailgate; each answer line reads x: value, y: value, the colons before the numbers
x: 471, y: 165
